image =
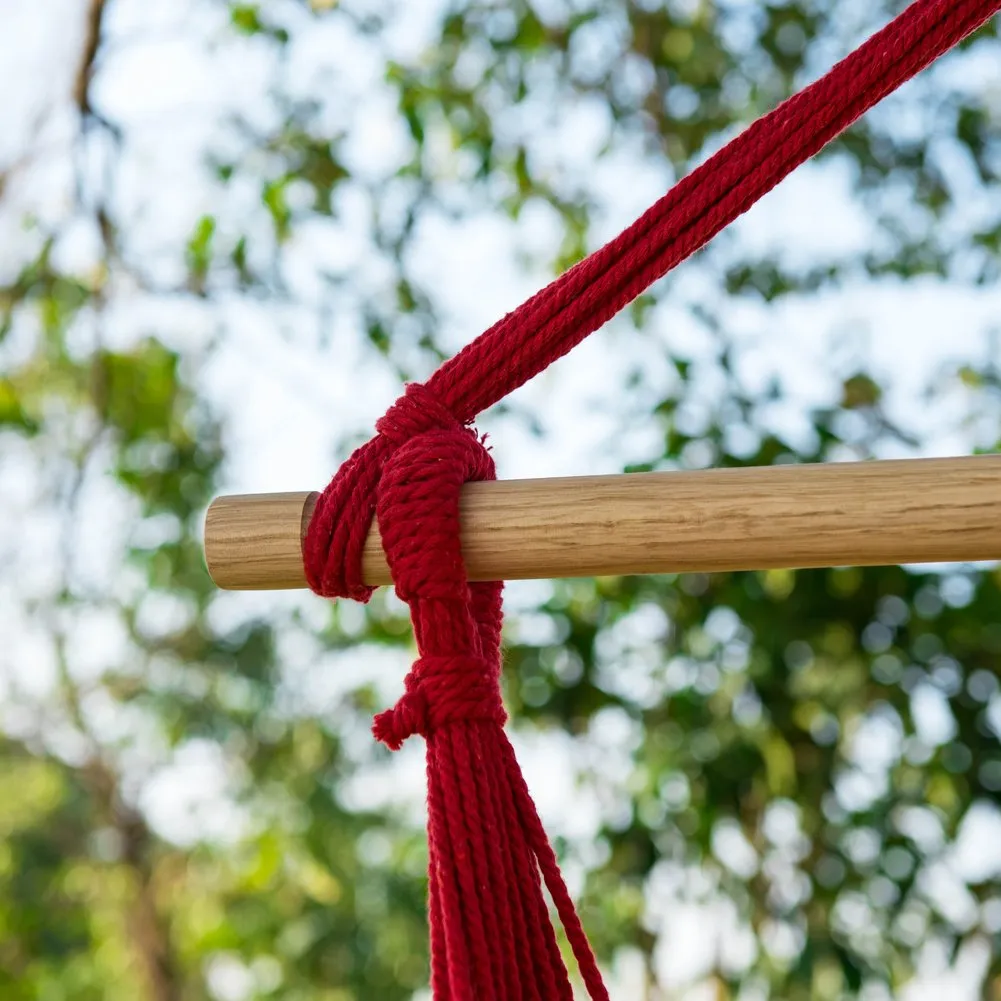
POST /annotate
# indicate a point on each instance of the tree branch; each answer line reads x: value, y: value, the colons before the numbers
x: 93, y: 28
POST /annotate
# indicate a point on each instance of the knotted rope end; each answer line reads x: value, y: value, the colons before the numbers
x: 441, y: 690
x: 407, y: 718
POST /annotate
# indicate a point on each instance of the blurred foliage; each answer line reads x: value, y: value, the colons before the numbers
x: 779, y: 763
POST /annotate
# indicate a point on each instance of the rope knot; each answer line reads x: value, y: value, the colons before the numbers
x: 415, y: 413
x: 335, y: 540
x: 441, y: 690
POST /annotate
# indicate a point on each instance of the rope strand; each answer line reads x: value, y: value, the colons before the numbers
x: 556, y: 319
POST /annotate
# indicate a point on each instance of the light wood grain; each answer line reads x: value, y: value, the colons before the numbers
x: 863, y: 514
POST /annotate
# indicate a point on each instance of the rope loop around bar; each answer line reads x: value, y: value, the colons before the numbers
x: 335, y: 542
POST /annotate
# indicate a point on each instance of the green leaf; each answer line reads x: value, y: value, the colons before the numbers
x: 12, y: 412
x: 246, y: 18
x: 199, y: 250
x: 139, y: 390
x: 275, y: 201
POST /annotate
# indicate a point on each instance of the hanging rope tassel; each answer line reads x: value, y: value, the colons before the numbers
x: 491, y: 935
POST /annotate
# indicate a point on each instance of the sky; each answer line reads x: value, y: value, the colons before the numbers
x: 171, y: 74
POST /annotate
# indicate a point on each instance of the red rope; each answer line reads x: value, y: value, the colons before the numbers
x: 491, y: 936
x: 559, y: 317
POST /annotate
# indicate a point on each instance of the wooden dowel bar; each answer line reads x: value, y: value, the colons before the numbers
x: 839, y: 514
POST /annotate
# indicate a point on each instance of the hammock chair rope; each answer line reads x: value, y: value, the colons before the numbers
x: 491, y: 935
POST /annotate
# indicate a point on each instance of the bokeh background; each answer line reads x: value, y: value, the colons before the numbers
x: 228, y: 231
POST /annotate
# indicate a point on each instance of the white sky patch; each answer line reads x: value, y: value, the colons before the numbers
x: 189, y: 798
